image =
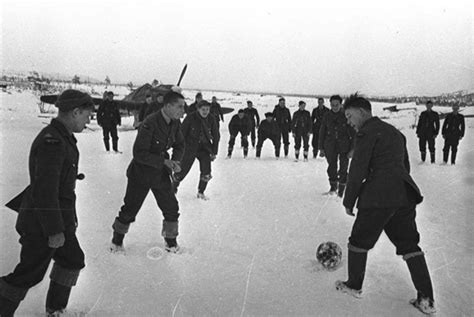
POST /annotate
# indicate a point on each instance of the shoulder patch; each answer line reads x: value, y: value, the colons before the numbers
x: 50, y: 139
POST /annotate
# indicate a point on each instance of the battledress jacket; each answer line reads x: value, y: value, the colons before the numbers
x: 379, y: 174
x: 198, y: 130
x: 154, y: 138
x: 47, y: 206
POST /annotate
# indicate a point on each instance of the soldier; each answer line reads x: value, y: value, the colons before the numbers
x: 301, y: 127
x: 108, y: 117
x: 216, y: 111
x: 193, y: 107
x: 316, y: 119
x: 252, y: 114
x: 427, y: 131
x: 453, y: 132
x: 153, y: 106
x: 239, y: 123
x: 335, y: 142
x: 283, y: 119
x: 144, y: 107
x: 150, y: 169
x: 46, y: 209
x: 201, y: 135
x: 379, y: 180
x: 268, y: 129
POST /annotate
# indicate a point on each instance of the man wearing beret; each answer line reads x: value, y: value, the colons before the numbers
x: 151, y: 168
x: 46, y: 209
x: 108, y: 117
x: 379, y: 180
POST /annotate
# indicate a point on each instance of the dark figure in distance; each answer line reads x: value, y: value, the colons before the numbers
x: 201, y: 136
x: 151, y: 168
x: 452, y: 131
x: 216, y: 110
x: 108, y: 117
x: 301, y: 127
x: 316, y: 119
x: 268, y: 129
x: 427, y: 130
x: 193, y: 107
x: 239, y: 123
x: 379, y: 180
x: 151, y: 106
x: 335, y: 142
x: 46, y: 209
x: 254, y: 118
x: 283, y: 119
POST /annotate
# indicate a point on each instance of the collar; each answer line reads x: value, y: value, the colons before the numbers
x: 165, y: 116
x: 58, y: 125
x: 369, y: 121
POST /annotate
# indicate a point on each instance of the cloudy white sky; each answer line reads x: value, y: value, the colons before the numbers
x: 313, y: 47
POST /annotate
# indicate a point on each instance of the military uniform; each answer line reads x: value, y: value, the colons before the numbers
x: 149, y: 108
x: 379, y: 180
x: 216, y: 111
x: 147, y: 172
x: 191, y: 108
x: 301, y: 127
x: 201, y: 137
x: 254, y: 118
x: 335, y: 138
x: 45, y: 208
x: 316, y: 119
x: 268, y: 130
x: 108, y: 117
x: 283, y: 119
x: 236, y: 126
x: 452, y: 131
x: 427, y: 130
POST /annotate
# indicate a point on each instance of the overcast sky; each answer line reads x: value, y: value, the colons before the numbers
x: 398, y: 47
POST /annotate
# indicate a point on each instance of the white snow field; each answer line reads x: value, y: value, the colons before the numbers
x: 250, y: 249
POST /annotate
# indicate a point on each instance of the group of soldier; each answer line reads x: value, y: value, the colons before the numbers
x: 378, y: 181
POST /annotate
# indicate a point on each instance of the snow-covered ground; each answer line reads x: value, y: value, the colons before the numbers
x: 250, y: 250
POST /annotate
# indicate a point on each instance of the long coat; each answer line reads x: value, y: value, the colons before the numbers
x: 379, y: 174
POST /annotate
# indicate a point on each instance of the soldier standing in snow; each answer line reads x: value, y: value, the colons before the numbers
x: 283, y: 119
x: 150, y: 169
x: 379, y: 180
x: 201, y: 135
x: 301, y: 127
x: 335, y: 142
x: 108, y: 117
x: 193, y: 107
x: 427, y: 130
x: 316, y: 119
x: 239, y: 123
x: 216, y: 110
x: 268, y: 129
x: 453, y: 132
x: 252, y: 114
x: 47, y: 217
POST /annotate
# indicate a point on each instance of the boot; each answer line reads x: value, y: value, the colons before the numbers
x: 421, y: 279
x: 229, y: 152
x: 169, y: 232
x: 315, y: 154
x: 202, y: 186
x: 259, y: 152
x: 286, y: 149
x: 57, y: 298
x: 445, y: 156
x: 340, y: 189
x: 297, y: 154
x: 423, y: 156
x: 117, y: 238
x: 356, y: 272
x: 246, y: 152
x: 332, y: 187
x: 107, y: 145
x: 171, y: 245
x: 453, y: 157
x: 115, y: 146
x: 432, y: 156
x: 7, y: 307
x: 305, y: 156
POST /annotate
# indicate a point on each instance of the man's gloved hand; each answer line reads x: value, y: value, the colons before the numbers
x: 56, y: 240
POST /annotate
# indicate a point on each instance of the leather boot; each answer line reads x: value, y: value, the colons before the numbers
x: 57, y: 298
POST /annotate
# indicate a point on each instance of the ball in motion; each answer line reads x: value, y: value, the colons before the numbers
x: 329, y: 254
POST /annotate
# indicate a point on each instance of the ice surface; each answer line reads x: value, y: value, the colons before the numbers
x: 250, y: 249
